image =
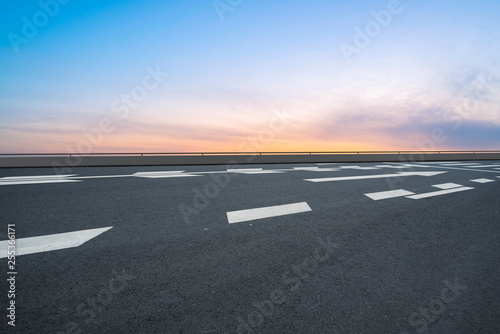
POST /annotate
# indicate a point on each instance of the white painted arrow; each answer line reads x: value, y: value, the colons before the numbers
x: 51, y: 242
x: 380, y: 176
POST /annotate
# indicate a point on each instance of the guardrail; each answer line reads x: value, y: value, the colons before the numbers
x: 62, y: 161
x: 238, y: 153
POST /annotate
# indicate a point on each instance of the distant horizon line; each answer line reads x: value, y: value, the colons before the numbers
x: 251, y: 152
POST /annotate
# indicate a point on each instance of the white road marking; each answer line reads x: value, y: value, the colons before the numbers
x: 211, y: 172
x: 482, y: 180
x: 359, y: 168
x: 439, y: 193
x: 389, y: 194
x: 456, y: 168
x: 447, y: 185
x: 325, y: 170
x: 36, y: 182
x: 390, y: 166
x: 255, y: 171
x: 419, y: 166
x: 51, y: 242
x: 458, y: 164
x: 6, y: 181
x: 238, y: 170
x: 483, y: 166
x: 158, y: 172
x: 166, y: 174
x: 266, y: 212
x: 266, y: 172
x: 381, y: 176
x: 305, y: 168
x: 100, y: 176
x: 313, y: 169
x: 37, y: 177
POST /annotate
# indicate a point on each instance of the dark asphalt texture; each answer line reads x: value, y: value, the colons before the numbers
x: 351, y: 265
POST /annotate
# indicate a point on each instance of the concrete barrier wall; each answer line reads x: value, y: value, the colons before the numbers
x: 88, y: 161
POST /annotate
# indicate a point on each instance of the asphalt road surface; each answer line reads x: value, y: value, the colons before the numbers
x: 319, y: 248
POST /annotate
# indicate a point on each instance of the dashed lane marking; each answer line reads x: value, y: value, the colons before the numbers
x: 8, y: 183
x: 305, y: 168
x: 439, y: 193
x: 255, y: 171
x: 455, y: 168
x: 390, y: 166
x: 459, y: 164
x: 313, y: 169
x: 389, y: 194
x: 100, y: 176
x: 39, y: 179
x: 485, y: 166
x: 165, y: 174
x: 358, y: 168
x: 482, y: 180
x: 266, y: 212
x: 380, y: 176
x: 447, y: 185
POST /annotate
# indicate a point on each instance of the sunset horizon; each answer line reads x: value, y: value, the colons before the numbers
x: 173, y: 77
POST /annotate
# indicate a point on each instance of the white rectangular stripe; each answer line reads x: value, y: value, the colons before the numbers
x: 447, y: 185
x: 244, y: 170
x: 457, y: 164
x: 36, y: 177
x: 438, y: 193
x: 483, y: 180
x: 8, y: 183
x: 50, y: 242
x: 263, y: 172
x: 389, y: 194
x: 266, y: 212
x: 390, y: 166
x: 164, y: 174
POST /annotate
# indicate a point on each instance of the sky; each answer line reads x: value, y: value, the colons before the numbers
x: 249, y: 75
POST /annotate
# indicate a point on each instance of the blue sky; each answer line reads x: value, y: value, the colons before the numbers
x: 434, y: 65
